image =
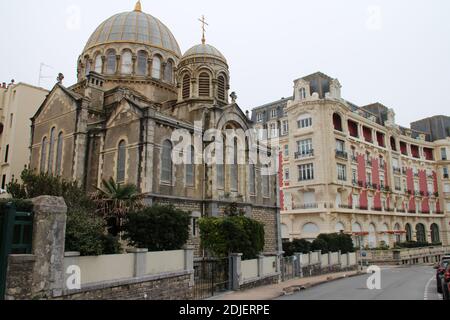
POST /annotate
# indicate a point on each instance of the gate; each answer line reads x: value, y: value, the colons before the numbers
x: 212, y: 276
x: 288, y: 268
x: 16, y: 229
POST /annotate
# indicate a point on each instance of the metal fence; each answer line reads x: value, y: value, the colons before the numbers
x: 212, y: 277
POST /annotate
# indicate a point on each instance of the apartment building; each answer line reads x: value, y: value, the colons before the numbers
x: 18, y: 103
x: 352, y: 169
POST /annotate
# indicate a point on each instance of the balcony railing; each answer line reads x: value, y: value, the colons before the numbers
x: 446, y: 176
x: 404, y: 171
x: 369, y: 163
x: 307, y: 206
x: 397, y: 170
x: 345, y: 206
x: 342, y: 154
x: 354, y: 158
x: 304, y: 154
x: 362, y: 207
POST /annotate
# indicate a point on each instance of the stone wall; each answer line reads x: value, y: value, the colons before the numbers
x: 20, y: 277
x: 265, y: 281
x: 174, y: 286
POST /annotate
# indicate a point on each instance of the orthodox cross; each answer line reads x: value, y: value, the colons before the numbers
x: 204, y: 24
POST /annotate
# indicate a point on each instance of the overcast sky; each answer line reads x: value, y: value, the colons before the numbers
x: 396, y: 52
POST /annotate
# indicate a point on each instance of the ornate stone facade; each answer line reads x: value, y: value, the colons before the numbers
x: 134, y: 91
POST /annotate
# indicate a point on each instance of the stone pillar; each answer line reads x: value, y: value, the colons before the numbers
x: 189, y: 262
x: 300, y: 263
x: 49, y: 232
x: 260, y: 266
x: 348, y: 259
x: 319, y: 253
x: 235, y: 271
x: 340, y: 258
x: 140, y: 261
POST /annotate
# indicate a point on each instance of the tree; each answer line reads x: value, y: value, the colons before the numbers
x: 114, y: 201
x: 232, y: 234
x: 296, y: 246
x: 157, y: 228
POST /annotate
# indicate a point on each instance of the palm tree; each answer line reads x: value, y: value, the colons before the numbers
x: 114, y: 201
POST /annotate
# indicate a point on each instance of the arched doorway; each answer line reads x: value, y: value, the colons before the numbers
x: 385, y: 235
x: 435, y: 237
x: 358, y: 238
x: 420, y: 233
x: 372, y: 236
x: 408, y: 230
x: 398, y: 236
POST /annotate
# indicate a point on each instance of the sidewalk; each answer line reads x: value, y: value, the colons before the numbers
x: 284, y: 288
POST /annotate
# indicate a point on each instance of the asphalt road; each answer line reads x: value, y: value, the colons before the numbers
x: 397, y: 283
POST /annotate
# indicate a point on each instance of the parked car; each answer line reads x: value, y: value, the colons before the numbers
x: 440, y: 269
x: 445, y: 283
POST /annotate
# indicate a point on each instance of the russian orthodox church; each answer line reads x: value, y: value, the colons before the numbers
x: 134, y: 89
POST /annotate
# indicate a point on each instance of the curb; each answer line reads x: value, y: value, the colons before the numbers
x: 295, y: 289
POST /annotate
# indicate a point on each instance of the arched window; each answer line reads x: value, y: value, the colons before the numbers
x: 166, y: 162
x: 111, y: 62
x: 168, y: 72
x: 156, y: 67
x: 221, y: 87
x: 398, y: 236
x: 435, y: 238
x: 204, y: 85
x: 121, y: 161
x: 190, y: 167
x: 310, y: 229
x: 420, y: 233
x: 142, y: 63
x: 59, y: 149
x: 127, y: 63
x: 50, y: 150
x: 339, y: 227
x: 408, y: 230
x: 98, y: 64
x: 234, y: 174
x: 43, y: 154
x: 186, y: 86
x: 88, y: 66
x: 372, y: 236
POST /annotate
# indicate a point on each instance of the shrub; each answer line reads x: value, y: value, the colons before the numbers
x: 296, y: 246
x: 19, y: 204
x: 320, y: 244
x: 334, y: 242
x: 86, y: 233
x: 232, y: 234
x: 157, y: 228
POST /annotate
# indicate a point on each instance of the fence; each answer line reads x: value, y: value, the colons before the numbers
x: 136, y: 263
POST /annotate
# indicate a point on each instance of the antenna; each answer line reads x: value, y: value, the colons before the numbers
x: 41, y: 76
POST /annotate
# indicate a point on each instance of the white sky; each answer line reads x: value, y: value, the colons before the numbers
x: 396, y: 52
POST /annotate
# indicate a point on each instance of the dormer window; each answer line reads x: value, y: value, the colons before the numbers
x: 259, y: 117
x: 274, y: 113
x: 302, y: 93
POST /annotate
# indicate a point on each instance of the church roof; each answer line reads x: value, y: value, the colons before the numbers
x: 204, y: 50
x: 135, y: 27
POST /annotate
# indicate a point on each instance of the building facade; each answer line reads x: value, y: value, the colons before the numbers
x: 18, y: 103
x: 353, y: 169
x: 135, y: 90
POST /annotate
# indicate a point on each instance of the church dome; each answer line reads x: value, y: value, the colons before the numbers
x: 202, y: 50
x: 134, y: 27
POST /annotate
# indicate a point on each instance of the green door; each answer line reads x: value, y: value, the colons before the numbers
x: 16, y: 229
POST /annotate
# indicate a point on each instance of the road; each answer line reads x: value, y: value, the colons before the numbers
x: 397, y: 283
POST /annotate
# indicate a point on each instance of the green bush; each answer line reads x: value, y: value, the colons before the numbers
x: 334, y: 242
x: 296, y: 246
x: 232, y: 234
x: 86, y: 233
x: 414, y: 244
x: 157, y: 228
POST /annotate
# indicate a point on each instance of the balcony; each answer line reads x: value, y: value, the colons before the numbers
x: 354, y: 158
x: 369, y: 185
x: 382, y: 165
x: 362, y: 208
x: 397, y: 170
x: 345, y: 206
x: 307, y: 206
x: 446, y: 176
x: 342, y: 154
x: 404, y: 171
x: 304, y: 154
